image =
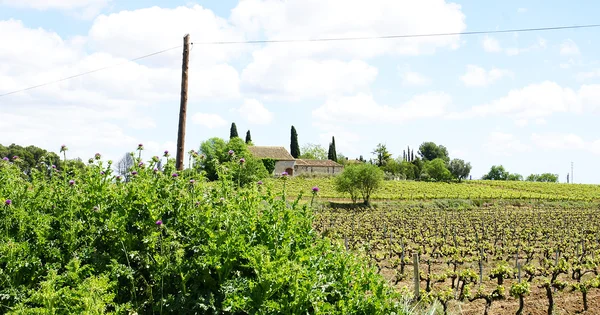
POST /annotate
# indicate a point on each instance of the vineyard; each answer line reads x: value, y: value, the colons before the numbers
x: 532, y: 257
x: 411, y: 190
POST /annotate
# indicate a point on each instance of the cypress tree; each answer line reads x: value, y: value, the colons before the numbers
x: 332, y: 154
x: 404, y: 155
x: 294, y: 146
x: 233, y: 131
x: 248, y: 137
x: 412, y: 155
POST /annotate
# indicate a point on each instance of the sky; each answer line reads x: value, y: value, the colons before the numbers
x: 528, y: 101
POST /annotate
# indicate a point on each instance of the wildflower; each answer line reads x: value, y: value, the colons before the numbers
x: 134, y: 173
x: 97, y: 156
x: 315, y: 189
x: 259, y: 182
x: 118, y: 178
x: 175, y: 175
x: 96, y: 208
x: 5, y: 158
x: 197, y: 203
x: 90, y: 161
x: 53, y: 166
x: 159, y: 222
x: 284, y: 174
x: 231, y: 152
x: 155, y: 159
x: 155, y: 170
x: 202, y: 156
x: 15, y: 157
x: 222, y: 199
x: 195, y: 153
x: 242, y: 161
x: 102, y: 173
x: 166, y: 154
x: 141, y: 164
x: 192, y: 181
x: 140, y: 147
x: 71, y: 182
x: 63, y: 148
x: 8, y: 202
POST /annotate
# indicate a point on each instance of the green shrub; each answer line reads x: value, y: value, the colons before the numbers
x: 171, y: 244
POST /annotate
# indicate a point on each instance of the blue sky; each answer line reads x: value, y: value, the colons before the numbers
x: 528, y: 101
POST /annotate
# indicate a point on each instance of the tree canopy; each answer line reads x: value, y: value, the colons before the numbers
x: 294, y: 145
x: 459, y: 169
x: 430, y: 151
x: 497, y: 172
x: 233, y: 133
x: 313, y: 152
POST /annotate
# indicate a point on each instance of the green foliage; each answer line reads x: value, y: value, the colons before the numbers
x: 382, y: 155
x: 459, y: 169
x: 436, y: 170
x: 233, y: 133
x: 515, y: 177
x: 496, y: 173
x: 30, y: 157
x: 269, y: 165
x: 294, y: 144
x: 214, y: 151
x: 165, y: 244
x: 363, y: 179
x: 430, y: 151
x: 544, y: 178
x: 312, y: 151
x: 248, y: 138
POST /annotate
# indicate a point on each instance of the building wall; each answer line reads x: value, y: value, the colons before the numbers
x: 332, y: 170
x: 282, y: 166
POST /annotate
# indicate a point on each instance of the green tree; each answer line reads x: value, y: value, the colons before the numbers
x: 313, y: 151
x: 459, y: 169
x: 545, y: 178
x: 269, y: 165
x: 363, y: 179
x: 213, y: 150
x: 332, y: 154
x: 233, y: 131
x: 436, y: 170
x: 515, y: 177
x: 430, y: 151
x: 496, y: 173
x: 294, y: 146
x: 30, y: 157
x: 382, y: 155
x: 248, y: 138
x: 409, y: 170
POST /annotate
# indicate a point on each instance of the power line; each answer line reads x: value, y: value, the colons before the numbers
x: 89, y: 72
x: 520, y: 30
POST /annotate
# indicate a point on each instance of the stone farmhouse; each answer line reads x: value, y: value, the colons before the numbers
x: 285, y: 162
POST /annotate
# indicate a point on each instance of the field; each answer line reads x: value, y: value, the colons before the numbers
x: 410, y: 190
x: 482, y: 245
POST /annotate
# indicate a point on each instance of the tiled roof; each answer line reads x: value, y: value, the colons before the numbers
x: 275, y: 153
x: 322, y: 163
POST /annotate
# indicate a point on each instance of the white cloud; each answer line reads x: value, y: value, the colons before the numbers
x: 541, y: 100
x: 582, y: 76
x: 302, y: 78
x: 209, y: 121
x: 491, y: 44
x: 499, y: 143
x: 522, y: 10
x: 255, y: 112
x: 569, y: 48
x: 540, y: 44
x: 363, y: 109
x: 410, y: 78
x: 316, y: 69
x: 82, y: 8
x: 346, y: 141
x: 565, y: 142
x: 478, y: 76
x: 521, y: 122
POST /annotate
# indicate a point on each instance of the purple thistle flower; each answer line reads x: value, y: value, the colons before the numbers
x: 102, y: 173
x: 97, y: 156
x: 166, y: 153
x: 259, y: 182
x: 15, y: 157
x: 222, y: 199
x: 315, y: 189
x: 155, y: 170
x: 141, y: 164
x: 192, y: 181
x: 197, y: 203
x: 242, y: 161
x: 231, y: 152
x: 8, y: 202
x: 5, y: 158
x: 63, y: 148
x: 140, y: 147
x: 134, y: 173
x: 155, y: 159
x: 71, y: 182
x: 53, y: 166
x: 118, y: 178
x: 202, y: 156
x: 90, y: 161
x: 159, y: 222
x: 284, y: 174
x: 175, y: 175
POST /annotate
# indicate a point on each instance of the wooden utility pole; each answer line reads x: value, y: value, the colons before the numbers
x: 183, y: 103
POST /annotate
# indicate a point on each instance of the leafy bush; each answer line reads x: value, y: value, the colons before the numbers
x: 167, y: 243
x: 269, y: 165
x: 363, y: 179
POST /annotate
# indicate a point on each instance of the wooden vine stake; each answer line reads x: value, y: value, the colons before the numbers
x: 416, y: 275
